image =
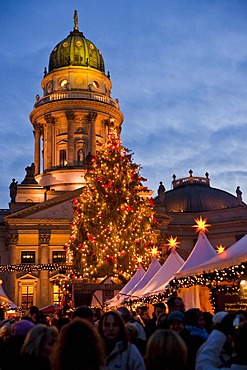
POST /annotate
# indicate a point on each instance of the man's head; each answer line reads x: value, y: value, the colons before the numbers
x: 175, y: 304
x: 159, y: 308
x: 175, y: 321
x: 125, y: 313
x: 83, y: 312
x: 141, y: 310
x: 34, y: 313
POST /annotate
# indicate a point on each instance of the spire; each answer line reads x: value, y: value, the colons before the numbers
x: 76, y: 27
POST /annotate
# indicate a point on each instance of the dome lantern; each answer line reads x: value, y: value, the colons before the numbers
x: 76, y: 50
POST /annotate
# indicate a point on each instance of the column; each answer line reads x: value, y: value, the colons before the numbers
x: 44, y: 287
x: 50, y: 120
x: 92, y: 119
x: 71, y: 119
x: 37, y: 134
x: 12, y: 242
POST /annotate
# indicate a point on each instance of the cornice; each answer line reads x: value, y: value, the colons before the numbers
x: 80, y: 104
x: 38, y: 221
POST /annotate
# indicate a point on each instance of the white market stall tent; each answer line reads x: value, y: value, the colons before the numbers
x: 234, y: 255
x: 202, y: 252
x: 160, y: 280
x: 157, y: 277
x: 119, y: 298
x: 197, y: 296
x: 5, y: 299
x: 152, y: 270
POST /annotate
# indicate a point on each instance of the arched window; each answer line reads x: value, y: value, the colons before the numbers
x: 62, y: 157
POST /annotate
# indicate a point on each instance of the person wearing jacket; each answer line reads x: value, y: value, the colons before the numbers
x: 120, y: 353
x: 209, y: 354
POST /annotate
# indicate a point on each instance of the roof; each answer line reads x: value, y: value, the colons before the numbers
x: 194, y: 194
x: 76, y: 50
x: 152, y: 270
x: 232, y: 256
x: 119, y: 298
x: 162, y: 276
x: 202, y: 252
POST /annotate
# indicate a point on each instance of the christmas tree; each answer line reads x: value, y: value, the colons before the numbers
x: 112, y: 230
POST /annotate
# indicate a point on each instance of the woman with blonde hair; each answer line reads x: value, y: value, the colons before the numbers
x: 36, y: 349
x: 166, y: 350
x: 79, y: 346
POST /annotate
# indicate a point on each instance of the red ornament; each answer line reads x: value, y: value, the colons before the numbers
x: 90, y: 237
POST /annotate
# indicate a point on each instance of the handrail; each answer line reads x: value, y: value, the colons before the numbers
x: 76, y: 95
x: 191, y: 180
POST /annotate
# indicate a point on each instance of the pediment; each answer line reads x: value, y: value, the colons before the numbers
x: 58, y: 208
x: 62, y: 210
x: 28, y: 276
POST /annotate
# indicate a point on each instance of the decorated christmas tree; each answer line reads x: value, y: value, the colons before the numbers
x: 113, y: 226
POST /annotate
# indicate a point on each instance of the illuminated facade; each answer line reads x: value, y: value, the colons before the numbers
x: 70, y: 123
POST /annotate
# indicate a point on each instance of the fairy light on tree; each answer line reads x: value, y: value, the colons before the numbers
x: 113, y: 225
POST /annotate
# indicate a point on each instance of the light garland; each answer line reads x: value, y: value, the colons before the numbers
x: 34, y: 267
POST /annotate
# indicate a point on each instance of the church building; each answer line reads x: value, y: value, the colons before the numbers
x: 71, y: 121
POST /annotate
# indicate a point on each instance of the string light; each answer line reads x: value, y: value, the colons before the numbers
x: 34, y: 267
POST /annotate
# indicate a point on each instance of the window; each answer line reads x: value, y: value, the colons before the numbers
x: 108, y: 294
x: 27, y: 257
x: 62, y: 157
x: 57, y: 294
x: 26, y: 296
x: 58, y: 256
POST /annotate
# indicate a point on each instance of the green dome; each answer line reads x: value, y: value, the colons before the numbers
x: 76, y: 50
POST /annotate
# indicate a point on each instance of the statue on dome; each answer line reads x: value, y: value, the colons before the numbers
x: 13, y: 190
x: 161, y: 192
x: 239, y: 195
x: 76, y: 27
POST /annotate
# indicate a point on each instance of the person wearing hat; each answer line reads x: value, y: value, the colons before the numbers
x: 10, y: 358
x: 175, y: 321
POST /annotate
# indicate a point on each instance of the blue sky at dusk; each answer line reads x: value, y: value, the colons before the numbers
x: 178, y: 68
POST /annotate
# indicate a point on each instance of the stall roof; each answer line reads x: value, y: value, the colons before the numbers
x: 232, y: 256
x: 162, y: 276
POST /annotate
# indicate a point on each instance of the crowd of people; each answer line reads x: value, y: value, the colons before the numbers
x: 173, y: 338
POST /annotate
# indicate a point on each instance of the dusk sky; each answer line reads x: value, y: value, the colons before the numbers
x: 178, y: 68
